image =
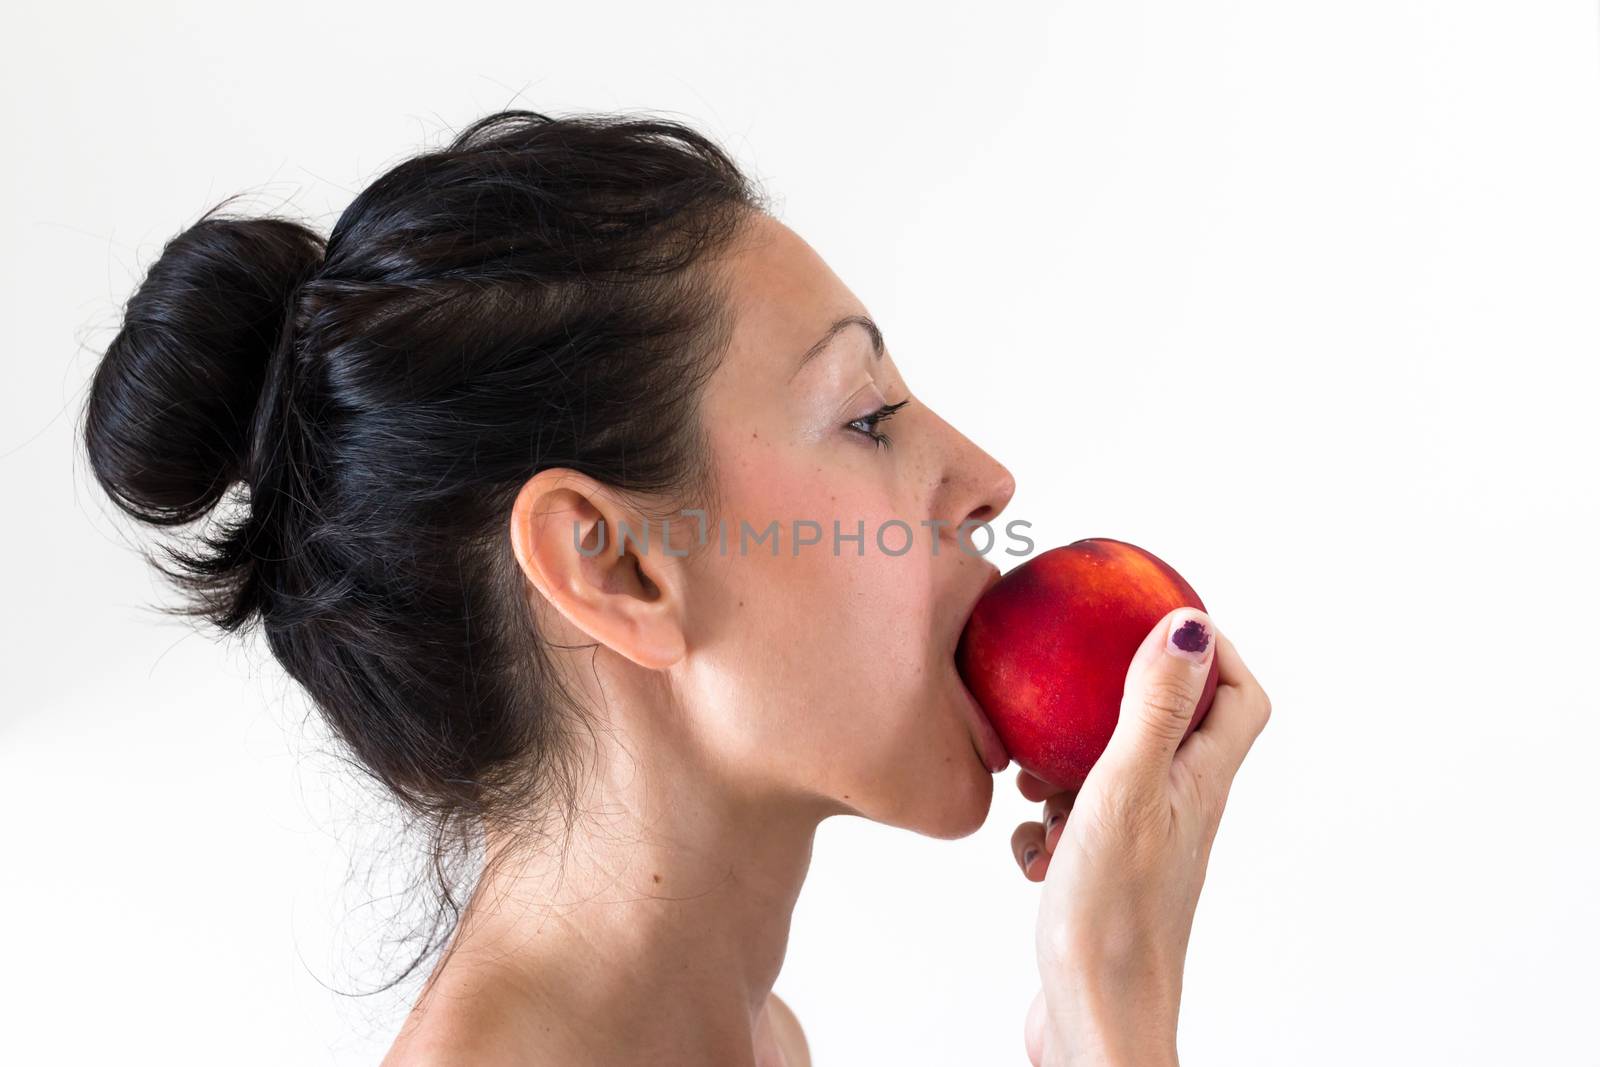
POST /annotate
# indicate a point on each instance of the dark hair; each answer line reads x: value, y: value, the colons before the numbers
x: 538, y: 293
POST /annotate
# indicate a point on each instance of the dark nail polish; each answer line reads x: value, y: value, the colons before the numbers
x: 1028, y: 858
x: 1191, y: 637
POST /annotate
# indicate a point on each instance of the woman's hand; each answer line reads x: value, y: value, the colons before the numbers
x: 1122, y: 861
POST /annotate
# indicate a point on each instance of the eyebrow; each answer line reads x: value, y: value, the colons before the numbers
x: 849, y: 320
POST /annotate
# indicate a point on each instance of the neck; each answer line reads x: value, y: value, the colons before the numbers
x: 661, y: 920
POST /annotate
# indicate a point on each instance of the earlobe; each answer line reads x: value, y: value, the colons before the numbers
x: 626, y: 596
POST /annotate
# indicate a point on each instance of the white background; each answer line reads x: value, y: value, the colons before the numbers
x: 1299, y: 296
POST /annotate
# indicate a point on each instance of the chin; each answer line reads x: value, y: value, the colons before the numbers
x: 935, y: 782
x: 947, y: 801
x: 956, y: 798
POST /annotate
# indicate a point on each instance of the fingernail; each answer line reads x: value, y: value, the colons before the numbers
x: 1189, y: 637
x: 1028, y: 857
x: 1050, y: 824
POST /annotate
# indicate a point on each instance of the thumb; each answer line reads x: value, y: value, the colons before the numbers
x: 1163, y: 688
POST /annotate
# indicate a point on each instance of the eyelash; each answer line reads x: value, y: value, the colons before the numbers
x: 879, y: 440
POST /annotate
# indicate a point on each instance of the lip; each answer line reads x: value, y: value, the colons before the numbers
x: 991, y: 750
x: 986, y: 740
x: 994, y: 576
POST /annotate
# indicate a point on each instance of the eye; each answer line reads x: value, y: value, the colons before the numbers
x: 868, y: 424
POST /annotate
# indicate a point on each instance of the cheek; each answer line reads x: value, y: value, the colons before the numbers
x: 837, y: 584
x: 834, y: 646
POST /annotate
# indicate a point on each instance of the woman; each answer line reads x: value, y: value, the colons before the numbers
x: 442, y: 432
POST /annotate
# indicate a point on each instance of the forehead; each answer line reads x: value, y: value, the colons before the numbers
x: 782, y: 296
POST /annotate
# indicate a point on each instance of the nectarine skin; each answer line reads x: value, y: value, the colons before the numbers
x: 1046, y: 650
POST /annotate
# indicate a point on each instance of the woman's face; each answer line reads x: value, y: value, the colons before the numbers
x: 827, y: 669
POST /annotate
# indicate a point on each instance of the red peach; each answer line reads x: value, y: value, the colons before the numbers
x: 1047, y: 648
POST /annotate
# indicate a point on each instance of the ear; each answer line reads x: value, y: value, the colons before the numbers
x: 623, y: 591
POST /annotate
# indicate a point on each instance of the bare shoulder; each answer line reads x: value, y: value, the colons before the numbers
x: 786, y: 1028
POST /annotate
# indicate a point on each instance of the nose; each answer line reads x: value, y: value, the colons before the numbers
x: 975, y: 489
x: 996, y: 485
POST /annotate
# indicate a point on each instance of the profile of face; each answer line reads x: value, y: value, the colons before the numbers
x: 820, y: 671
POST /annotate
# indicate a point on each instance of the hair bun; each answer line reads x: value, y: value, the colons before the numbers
x: 170, y: 406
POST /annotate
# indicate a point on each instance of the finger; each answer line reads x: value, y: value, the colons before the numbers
x: 1035, y: 788
x: 1033, y: 1030
x: 1056, y: 810
x: 1027, y: 848
x: 1238, y: 714
x: 1163, y: 687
